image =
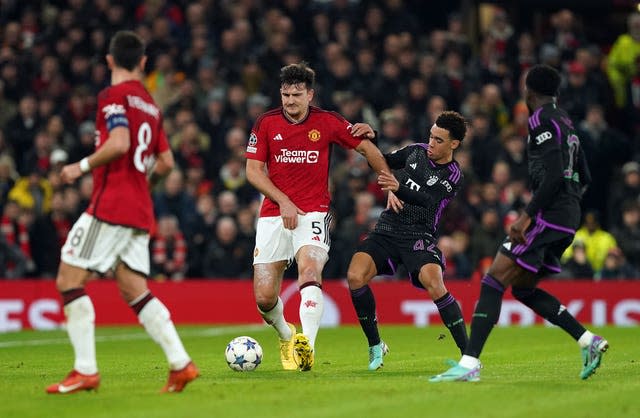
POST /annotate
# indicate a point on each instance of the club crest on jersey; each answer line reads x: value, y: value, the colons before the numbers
x: 432, y: 180
x: 314, y: 135
x: 251, y: 145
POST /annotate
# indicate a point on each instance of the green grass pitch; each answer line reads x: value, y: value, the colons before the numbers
x: 527, y: 372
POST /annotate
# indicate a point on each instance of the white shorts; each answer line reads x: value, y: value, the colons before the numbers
x: 97, y: 246
x: 275, y: 243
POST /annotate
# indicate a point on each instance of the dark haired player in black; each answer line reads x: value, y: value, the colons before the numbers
x: 558, y: 175
x: 427, y: 179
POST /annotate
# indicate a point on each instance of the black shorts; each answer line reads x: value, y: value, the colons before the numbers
x: 389, y: 252
x: 543, y: 248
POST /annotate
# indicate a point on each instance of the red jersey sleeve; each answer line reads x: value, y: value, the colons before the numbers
x: 258, y: 146
x: 342, y: 131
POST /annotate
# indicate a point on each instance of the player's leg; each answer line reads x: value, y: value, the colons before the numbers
x: 271, y: 255
x: 501, y: 273
x: 73, y: 274
x: 430, y: 277
x: 80, y: 321
x: 549, y: 307
x: 310, y: 241
x: 362, y: 269
x: 267, y: 280
x: 156, y: 320
x: 131, y: 277
x: 311, y: 260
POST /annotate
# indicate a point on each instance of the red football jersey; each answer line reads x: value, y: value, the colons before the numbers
x: 297, y: 155
x: 120, y: 189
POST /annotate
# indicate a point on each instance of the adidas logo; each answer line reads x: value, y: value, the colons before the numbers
x: 414, y: 165
x: 316, y: 238
x: 278, y: 137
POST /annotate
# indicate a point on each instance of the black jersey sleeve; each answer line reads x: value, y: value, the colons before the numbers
x: 414, y: 197
x: 397, y: 158
x: 545, y: 139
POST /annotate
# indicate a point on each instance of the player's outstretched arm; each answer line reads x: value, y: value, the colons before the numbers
x: 116, y: 146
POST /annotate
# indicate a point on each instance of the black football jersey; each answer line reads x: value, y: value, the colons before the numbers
x: 425, y: 188
x: 558, y: 172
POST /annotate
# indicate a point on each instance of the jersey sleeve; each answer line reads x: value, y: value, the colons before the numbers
x: 396, y: 159
x: 258, y: 146
x: 163, y: 141
x: 342, y: 131
x: 113, y: 110
x: 545, y: 139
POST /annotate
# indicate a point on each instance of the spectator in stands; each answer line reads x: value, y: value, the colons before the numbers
x: 604, y: 147
x: 21, y: 130
x: 14, y: 225
x: 174, y: 200
x: 577, y: 267
x: 228, y: 255
x: 621, y: 59
x: 168, y: 250
x: 13, y: 263
x: 8, y: 177
x: 627, y: 235
x: 616, y: 267
x: 626, y: 189
x: 47, y: 236
x: 596, y: 240
x: 33, y: 192
x: 486, y: 236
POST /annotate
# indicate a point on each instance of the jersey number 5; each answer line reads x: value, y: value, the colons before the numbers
x: 144, y: 139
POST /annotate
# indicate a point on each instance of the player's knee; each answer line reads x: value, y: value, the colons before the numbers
x: 522, y: 293
x: 356, y: 279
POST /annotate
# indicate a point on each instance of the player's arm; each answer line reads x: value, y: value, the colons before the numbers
x: 551, y: 183
x: 163, y: 166
x: 257, y: 176
x: 373, y: 155
x: 553, y: 178
x: 114, y: 147
x: 388, y: 182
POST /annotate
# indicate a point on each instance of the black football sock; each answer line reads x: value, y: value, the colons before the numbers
x: 365, y: 305
x: 548, y: 307
x: 452, y: 317
x: 485, y: 316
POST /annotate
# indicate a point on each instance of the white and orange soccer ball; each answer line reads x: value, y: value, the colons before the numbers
x: 243, y: 354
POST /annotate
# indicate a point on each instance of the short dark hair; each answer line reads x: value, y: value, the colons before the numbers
x: 127, y: 49
x: 543, y: 79
x: 300, y: 73
x: 454, y: 123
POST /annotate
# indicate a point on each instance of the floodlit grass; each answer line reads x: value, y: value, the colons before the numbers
x: 528, y: 372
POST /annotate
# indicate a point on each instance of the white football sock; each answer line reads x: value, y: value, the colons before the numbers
x: 311, y: 307
x: 157, y: 322
x: 275, y: 318
x: 469, y: 362
x: 81, y: 319
x: 585, y: 339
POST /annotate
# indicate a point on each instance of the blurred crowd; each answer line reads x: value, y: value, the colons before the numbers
x: 213, y: 68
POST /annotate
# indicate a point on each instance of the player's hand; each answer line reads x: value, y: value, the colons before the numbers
x: 362, y: 130
x: 518, y: 228
x: 70, y: 173
x: 289, y: 213
x: 388, y: 181
x: 394, y: 203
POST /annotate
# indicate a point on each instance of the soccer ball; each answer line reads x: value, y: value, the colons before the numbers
x: 243, y: 354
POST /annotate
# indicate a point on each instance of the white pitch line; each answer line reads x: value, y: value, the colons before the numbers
x: 208, y: 332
